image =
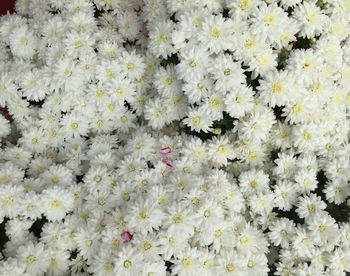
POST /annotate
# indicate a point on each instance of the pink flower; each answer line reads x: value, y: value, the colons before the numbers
x: 165, y: 150
x: 170, y: 164
x: 126, y: 236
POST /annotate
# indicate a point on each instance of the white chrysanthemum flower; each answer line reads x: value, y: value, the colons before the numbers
x: 214, y: 33
x: 192, y: 64
x: 197, y: 90
x: 23, y: 42
x: 133, y: 65
x: 75, y: 125
x: 311, y: 18
x: 309, y: 206
x: 58, y: 175
x: 239, y: 101
x: 87, y: 242
x: 267, y: 21
x: 227, y: 73
x: 275, y: 88
x: 34, y: 257
x: 220, y: 151
x: 263, y: 61
x: 306, y: 180
x: 58, y: 262
x: 281, y: 232
x: 186, y: 262
x: 285, y: 195
x: 179, y: 222
x: 144, y: 217
x: 155, y: 113
x: 229, y: 263
x: 57, y: 202
x: 129, y: 262
x: 160, y: 39
x: 253, y: 181
x: 337, y: 191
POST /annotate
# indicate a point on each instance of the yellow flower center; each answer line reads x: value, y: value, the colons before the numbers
x: 277, y: 88
x: 177, y: 218
x: 143, y: 214
x: 127, y: 264
x: 7, y: 201
x: 147, y: 245
x: 215, y: 33
x: 218, y: 233
x: 230, y: 267
x: 74, y: 125
x: 31, y: 259
x: 186, y: 262
x: 56, y: 204
x: 131, y: 66
x: 23, y: 41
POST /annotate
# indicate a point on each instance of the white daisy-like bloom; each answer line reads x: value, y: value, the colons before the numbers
x: 119, y: 89
x: 197, y: 90
x: 75, y: 125
x: 31, y: 204
x: 129, y: 262
x: 133, y: 65
x: 262, y: 204
x: 337, y: 192
x: 311, y: 18
x: 186, y: 262
x: 128, y: 24
x: 145, y: 216
x: 281, y: 232
x: 239, y: 102
x: 267, y: 21
x: 323, y: 229
x: 256, y: 126
x: 174, y: 137
x: 155, y: 113
x: 306, y: 180
x: 214, y: 33
x: 166, y: 80
x: 193, y: 64
x: 303, y: 243
x: 275, y: 88
x: 285, y: 195
x: 57, y: 175
x: 35, y: 258
x: 66, y: 75
x: 23, y: 42
x: 227, y: 73
x: 87, y: 242
x: 309, y: 206
x: 263, y: 61
x: 57, y: 202
x: 7, y: 88
x: 179, y: 222
x: 215, y: 106
x: 253, y: 181
x: 160, y: 38
x: 220, y: 151
x: 229, y: 263
x: 58, y: 262
x: 78, y: 44
x: 256, y: 264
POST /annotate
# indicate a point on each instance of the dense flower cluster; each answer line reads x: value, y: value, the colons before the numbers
x: 172, y: 137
